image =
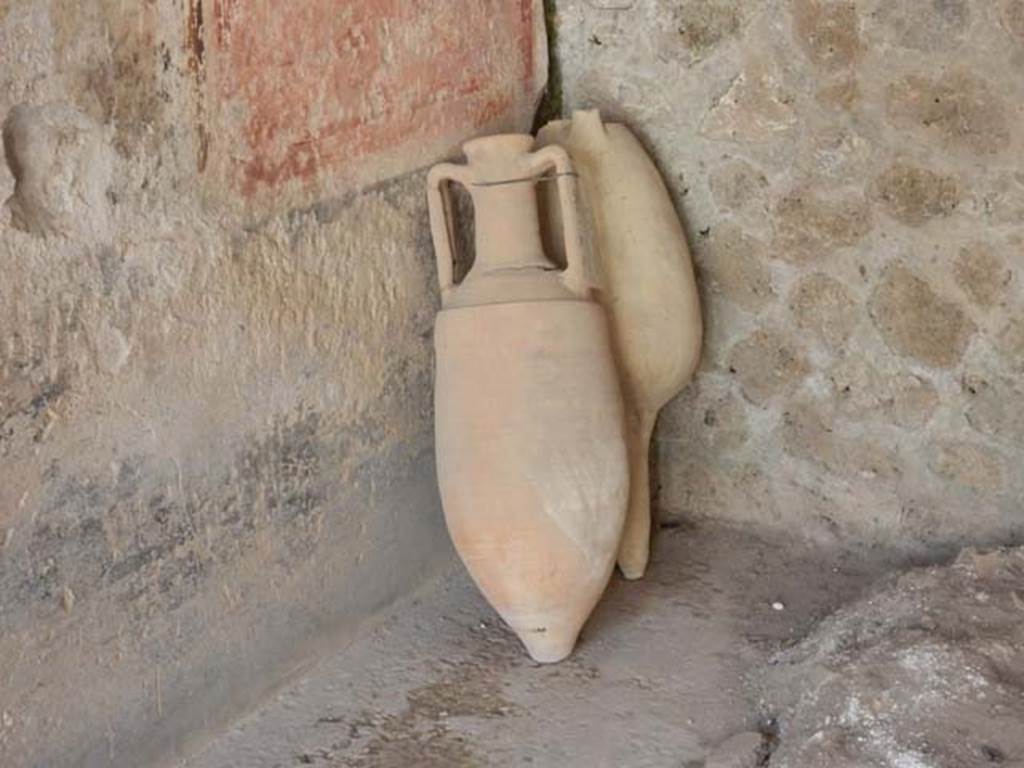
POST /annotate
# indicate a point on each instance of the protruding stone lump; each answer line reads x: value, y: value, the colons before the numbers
x: 62, y: 166
x: 918, y: 323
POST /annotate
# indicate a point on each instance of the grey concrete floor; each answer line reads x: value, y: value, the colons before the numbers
x: 657, y: 680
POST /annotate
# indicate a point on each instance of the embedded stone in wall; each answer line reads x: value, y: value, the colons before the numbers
x: 767, y: 364
x: 842, y: 94
x: 995, y: 406
x: 702, y: 26
x: 839, y: 153
x: 1002, y: 200
x: 810, y: 226
x: 916, y: 322
x: 810, y: 434
x: 914, y: 195
x: 737, y: 186
x: 828, y: 31
x: 864, y: 393
x: 982, y: 274
x: 706, y: 417
x: 1013, y: 17
x: 823, y: 305
x: 957, y: 107
x: 62, y: 168
x: 971, y: 465
x: 1010, y: 341
x: 687, y: 487
x: 724, y: 421
x: 336, y: 94
x: 734, y: 263
x: 756, y: 107
x: 111, y: 348
x: 912, y: 401
x: 693, y: 487
x: 922, y: 25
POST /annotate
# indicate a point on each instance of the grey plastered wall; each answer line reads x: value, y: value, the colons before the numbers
x: 233, y: 493
x: 851, y: 176
x: 216, y: 455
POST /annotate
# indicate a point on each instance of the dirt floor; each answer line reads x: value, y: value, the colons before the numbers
x: 660, y: 678
x: 926, y: 671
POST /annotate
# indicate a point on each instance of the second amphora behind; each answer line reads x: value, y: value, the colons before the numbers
x: 647, y: 287
x: 530, y: 424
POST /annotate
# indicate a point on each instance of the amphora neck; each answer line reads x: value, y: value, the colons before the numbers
x: 511, y: 264
x: 507, y: 227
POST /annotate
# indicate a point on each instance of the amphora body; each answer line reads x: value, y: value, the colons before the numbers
x: 648, y: 288
x: 530, y: 424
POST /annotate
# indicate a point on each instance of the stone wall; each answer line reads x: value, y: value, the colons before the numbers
x: 851, y: 176
x: 217, y: 291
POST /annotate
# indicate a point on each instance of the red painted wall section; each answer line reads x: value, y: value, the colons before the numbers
x: 305, y: 97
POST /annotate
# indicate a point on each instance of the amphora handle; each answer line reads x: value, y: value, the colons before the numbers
x: 554, y: 156
x: 442, y: 225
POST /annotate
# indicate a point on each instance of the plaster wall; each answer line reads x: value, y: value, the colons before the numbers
x: 216, y: 298
x: 851, y: 176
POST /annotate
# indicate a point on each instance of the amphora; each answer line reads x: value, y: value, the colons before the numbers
x: 530, y: 424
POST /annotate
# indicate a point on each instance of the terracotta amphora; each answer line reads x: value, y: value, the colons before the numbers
x: 648, y: 288
x: 529, y: 417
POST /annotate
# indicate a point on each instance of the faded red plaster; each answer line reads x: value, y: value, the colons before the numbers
x: 327, y: 84
x: 526, y: 41
x: 196, y: 47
